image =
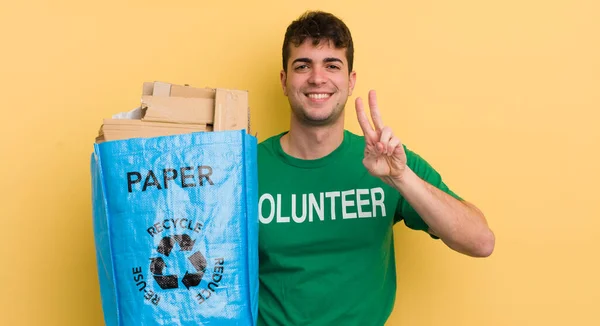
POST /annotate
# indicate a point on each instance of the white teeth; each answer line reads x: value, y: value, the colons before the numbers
x: 318, y: 96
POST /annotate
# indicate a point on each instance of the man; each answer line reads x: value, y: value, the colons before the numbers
x: 329, y: 198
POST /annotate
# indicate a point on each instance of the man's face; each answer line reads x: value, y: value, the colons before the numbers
x: 317, y: 82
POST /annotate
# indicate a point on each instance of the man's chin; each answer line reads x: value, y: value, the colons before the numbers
x: 319, y: 120
x: 311, y: 116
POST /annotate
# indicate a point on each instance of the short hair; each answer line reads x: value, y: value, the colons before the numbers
x: 318, y: 26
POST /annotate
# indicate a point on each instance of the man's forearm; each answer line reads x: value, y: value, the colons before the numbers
x: 459, y: 224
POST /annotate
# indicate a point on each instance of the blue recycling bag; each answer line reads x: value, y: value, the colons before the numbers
x: 176, y: 229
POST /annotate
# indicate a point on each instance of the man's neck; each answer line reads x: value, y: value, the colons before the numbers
x: 311, y: 142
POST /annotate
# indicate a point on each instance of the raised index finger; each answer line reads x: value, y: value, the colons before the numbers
x: 365, y: 125
x: 377, y: 121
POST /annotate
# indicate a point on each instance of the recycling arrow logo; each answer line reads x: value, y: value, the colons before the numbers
x: 157, y: 264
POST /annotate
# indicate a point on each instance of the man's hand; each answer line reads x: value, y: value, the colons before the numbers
x: 384, y: 154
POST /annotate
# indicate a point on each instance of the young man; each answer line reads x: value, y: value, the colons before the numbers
x: 329, y: 198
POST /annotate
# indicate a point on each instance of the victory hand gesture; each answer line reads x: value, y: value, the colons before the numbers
x: 384, y: 154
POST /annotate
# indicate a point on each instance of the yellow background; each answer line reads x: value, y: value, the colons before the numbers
x: 502, y: 97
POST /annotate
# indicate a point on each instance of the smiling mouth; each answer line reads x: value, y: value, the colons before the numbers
x: 318, y: 96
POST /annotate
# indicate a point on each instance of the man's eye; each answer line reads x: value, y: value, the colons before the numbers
x: 301, y: 67
x: 334, y: 67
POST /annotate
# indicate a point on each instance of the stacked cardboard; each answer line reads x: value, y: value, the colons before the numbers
x: 169, y: 109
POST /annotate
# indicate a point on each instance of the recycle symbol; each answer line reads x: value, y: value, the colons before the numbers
x: 165, y: 247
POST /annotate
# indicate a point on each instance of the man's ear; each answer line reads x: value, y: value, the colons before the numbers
x: 283, y: 77
x: 351, y: 83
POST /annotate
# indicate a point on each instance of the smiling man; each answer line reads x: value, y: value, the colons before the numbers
x: 317, y: 83
x: 329, y: 198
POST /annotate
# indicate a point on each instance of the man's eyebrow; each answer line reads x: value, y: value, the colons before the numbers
x: 333, y: 59
x: 305, y: 60
x: 309, y: 60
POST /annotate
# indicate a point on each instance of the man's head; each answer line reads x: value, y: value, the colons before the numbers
x: 319, y: 27
x: 317, y: 74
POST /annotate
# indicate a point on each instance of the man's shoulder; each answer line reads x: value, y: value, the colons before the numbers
x: 267, y: 147
x: 269, y: 141
x: 354, y: 139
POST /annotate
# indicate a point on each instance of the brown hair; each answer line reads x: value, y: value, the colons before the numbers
x: 319, y: 26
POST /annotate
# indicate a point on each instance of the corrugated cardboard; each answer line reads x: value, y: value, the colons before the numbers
x: 169, y: 109
x: 115, y: 129
x: 161, y: 89
x: 166, y: 89
x: 178, y: 109
x: 184, y: 104
x: 187, y: 91
x: 231, y: 110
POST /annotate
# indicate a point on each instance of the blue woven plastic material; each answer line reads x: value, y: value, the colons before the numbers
x: 176, y: 231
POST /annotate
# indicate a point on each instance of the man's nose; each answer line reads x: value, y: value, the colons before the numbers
x: 317, y: 76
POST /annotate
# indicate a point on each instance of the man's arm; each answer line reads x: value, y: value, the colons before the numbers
x: 459, y: 224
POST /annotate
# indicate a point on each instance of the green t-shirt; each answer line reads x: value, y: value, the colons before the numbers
x: 326, y: 248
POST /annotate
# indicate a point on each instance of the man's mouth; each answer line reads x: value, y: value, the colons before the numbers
x: 318, y: 96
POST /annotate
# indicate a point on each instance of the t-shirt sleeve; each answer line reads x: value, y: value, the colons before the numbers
x: 426, y: 172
